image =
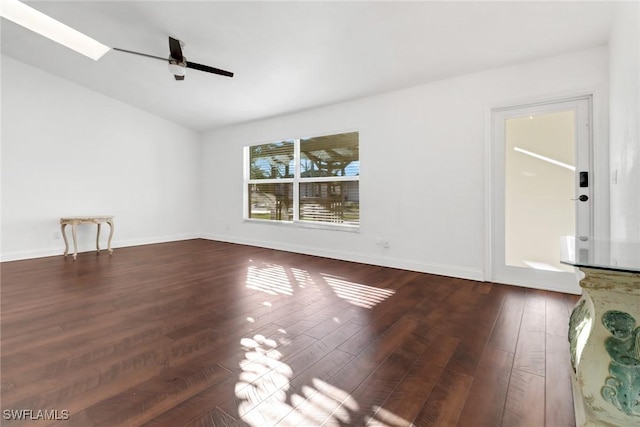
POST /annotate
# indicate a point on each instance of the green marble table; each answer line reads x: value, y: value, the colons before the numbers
x: 604, y: 332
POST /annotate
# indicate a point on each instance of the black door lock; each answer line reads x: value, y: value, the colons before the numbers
x: 584, y: 179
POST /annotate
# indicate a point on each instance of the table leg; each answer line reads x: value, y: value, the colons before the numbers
x: 110, y: 222
x: 98, y: 239
x: 75, y: 240
x: 64, y: 236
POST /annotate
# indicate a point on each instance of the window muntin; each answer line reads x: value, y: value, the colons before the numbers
x: 307, y: 181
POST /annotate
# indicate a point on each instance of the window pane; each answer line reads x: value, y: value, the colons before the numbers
x: 271, y: 201
x: 331, y: 155
x: 337, y: 202
x: 539, y: 185
x: 270, y: 161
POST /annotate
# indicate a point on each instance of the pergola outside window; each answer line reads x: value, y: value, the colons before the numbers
x: 308, y: 180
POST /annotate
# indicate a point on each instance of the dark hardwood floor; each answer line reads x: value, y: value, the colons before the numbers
x: 201, y: 333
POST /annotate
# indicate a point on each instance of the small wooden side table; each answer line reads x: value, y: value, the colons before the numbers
x: 75, y: 220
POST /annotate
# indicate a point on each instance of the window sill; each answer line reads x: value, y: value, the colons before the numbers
x: 306, y: 224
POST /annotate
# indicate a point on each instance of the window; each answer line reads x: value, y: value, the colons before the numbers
x: 306, y: 181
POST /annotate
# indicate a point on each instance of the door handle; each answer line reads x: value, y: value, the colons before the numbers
x: 582, y: 198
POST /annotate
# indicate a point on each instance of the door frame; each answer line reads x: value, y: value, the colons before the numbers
x: 598, y: 174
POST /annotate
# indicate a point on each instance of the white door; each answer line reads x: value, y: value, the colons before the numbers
x: 541, y: 190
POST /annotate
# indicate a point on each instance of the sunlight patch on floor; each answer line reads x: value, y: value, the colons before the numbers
x: 356, y: 293
x: 541, y: 266
x: 384, y: 418
x: 276, y: 279
x: 263, y: 391
x: 263, y: 384
x: 263, y: 378
x: 266, y: 397
x: 303, y: 278
x: 270, y: 278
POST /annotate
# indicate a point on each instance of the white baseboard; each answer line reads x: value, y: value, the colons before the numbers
x: 20, y: 255
x: 41, y: 253
x: 575, y: 290
x: 154, y: 240
x: 383, y: 261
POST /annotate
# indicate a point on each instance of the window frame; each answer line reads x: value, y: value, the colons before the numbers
x: 296, y: 181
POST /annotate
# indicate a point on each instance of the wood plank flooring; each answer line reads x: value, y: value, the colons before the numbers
x: 202, y: 333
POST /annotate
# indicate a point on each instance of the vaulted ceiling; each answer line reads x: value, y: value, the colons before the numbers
x: 292, y: 56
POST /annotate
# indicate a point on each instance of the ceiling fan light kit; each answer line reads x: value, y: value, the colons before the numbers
x: 46, y: 26
x: 178, y: 69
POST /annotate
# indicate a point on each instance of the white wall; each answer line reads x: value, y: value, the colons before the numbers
x: 430, y: 203
x: 624, y: 71
x: 70, y: 151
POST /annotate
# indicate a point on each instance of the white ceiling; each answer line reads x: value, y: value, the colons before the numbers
x: 291, y: 56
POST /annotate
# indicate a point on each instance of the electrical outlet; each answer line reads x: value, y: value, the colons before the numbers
x: 382, y: 242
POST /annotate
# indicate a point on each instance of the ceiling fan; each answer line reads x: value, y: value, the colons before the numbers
x: 178, y: 63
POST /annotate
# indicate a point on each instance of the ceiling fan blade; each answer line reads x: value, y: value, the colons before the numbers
x: 141, y: 54
x: 175, y: 49
x: 208, y: 69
